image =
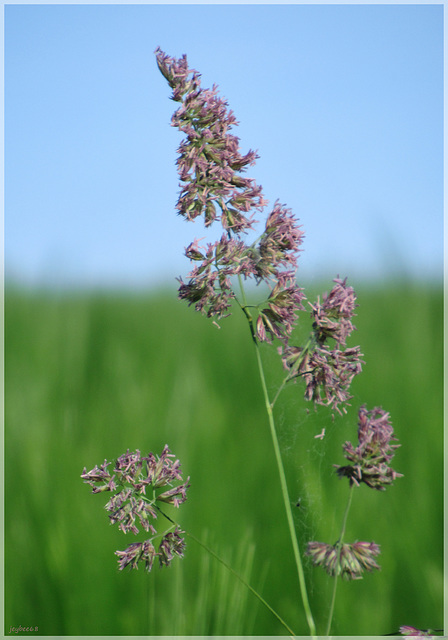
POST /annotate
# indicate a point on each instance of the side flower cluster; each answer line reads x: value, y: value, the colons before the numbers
x: 370, y: 465
x: 139, y: 484
x: 328, y: 369
x: 370, y: 459
x: 347, y: 560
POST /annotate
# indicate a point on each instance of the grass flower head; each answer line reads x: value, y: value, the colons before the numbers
x: 370, y: 459
x: 349, y: 561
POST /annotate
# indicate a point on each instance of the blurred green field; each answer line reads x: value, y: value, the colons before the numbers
x: 91, y: 375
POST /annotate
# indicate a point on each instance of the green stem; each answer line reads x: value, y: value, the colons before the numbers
x: 286, y: 500
x: 280, y: 389
x: 309, y: 344
x: 339, y: 543
x: 284, y: 486
x: 229, y: 568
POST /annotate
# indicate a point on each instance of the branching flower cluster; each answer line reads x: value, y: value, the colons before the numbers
x: 139, y: 484
x: 370, y: 465
x: 211, y: 168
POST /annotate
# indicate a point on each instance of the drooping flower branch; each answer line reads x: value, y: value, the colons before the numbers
x: 138, y: 485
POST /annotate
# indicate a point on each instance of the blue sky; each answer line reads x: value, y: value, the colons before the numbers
x: 344, y: 104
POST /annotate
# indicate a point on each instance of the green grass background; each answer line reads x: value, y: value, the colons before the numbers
x: 90, y: 375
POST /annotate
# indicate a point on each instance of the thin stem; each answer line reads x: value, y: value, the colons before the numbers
x: 280, y: 389
x: 289, y: 376
x: 286, y: 500
x: 229, y: 568
x: 339, y: 543
x: 283, y: 483
x: 149, y: 608
x: 245, y: 309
